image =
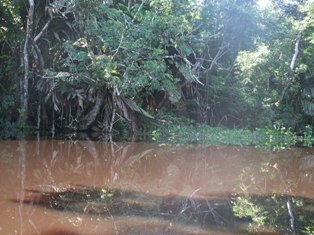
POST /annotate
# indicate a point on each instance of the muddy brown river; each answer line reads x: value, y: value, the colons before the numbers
x: 55, y: 187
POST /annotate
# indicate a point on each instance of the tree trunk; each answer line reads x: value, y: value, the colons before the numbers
x: 296, y: 52
x: 90, y: 117
x: 113, y: 113
x: 24, y: 82
x: 292, y: 64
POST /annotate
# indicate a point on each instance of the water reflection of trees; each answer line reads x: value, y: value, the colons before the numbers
x: 272, y: 212
x: 290, y: 171
x: 215, y: 212
x: 87, y: 157
x: 263, y: 183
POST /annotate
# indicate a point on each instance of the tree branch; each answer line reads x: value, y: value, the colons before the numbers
x: 42, y: 30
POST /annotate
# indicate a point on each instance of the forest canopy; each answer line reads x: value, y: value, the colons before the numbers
x: 94, y: 64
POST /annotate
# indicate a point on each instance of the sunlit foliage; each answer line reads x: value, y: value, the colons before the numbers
x: 99, y: 63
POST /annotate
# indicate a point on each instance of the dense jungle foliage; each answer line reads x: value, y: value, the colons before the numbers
x: 91, y: 65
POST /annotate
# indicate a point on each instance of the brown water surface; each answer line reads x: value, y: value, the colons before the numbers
x: 84, y: 187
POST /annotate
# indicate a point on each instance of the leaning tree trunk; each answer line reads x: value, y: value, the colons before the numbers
x: 292, y: 63
x: 25, y: 78
x: 91, y: 116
